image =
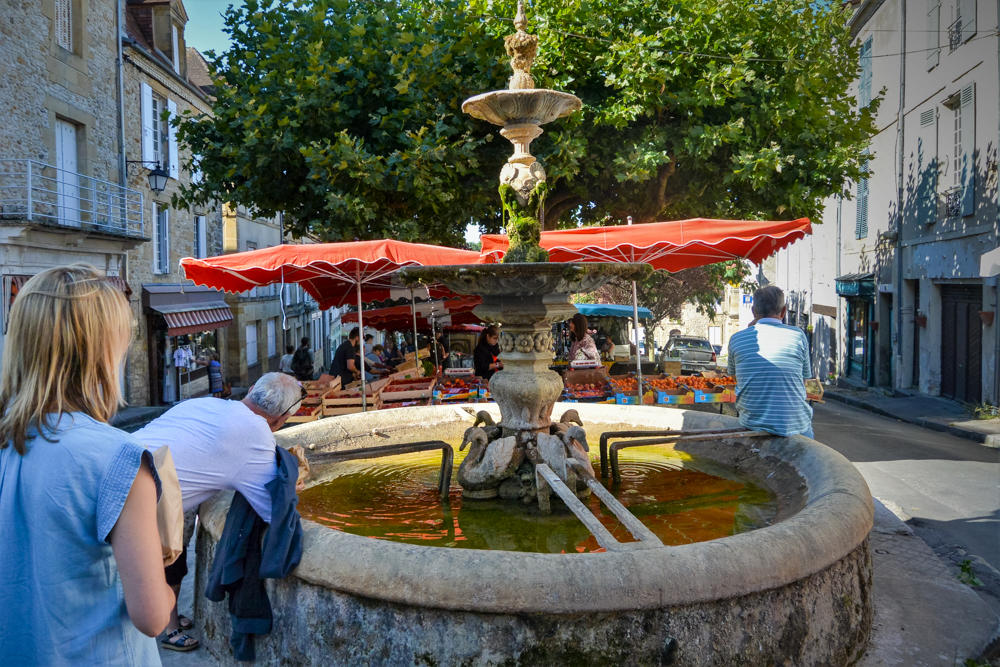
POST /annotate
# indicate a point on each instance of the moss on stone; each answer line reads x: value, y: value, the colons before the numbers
x: 523, y: 229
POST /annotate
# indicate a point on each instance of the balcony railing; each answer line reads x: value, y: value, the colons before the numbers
x: 953, y: 202
x: 38, y: 192
x: 955, y: 35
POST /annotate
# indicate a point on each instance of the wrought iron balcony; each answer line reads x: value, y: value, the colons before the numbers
x: 36, y: 192
x: 955, y: 35
x: 953, y: 202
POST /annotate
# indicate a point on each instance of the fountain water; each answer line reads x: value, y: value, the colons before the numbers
x: 795, y: 592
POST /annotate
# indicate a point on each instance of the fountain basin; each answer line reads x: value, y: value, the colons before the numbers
x: 796, y: 591
x: 532, y: 105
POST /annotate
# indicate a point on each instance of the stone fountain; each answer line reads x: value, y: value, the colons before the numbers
x: 794, y: 592
x: 526, y: 295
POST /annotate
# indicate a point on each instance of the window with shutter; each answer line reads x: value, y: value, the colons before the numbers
x: 967, y: 19
x: 865, y: 82
x: 966, y: 147
x: 251, y: 333
x: 933, y: 33
x: 861, y: 221
x: 170, y: 132
x: 161, y: 239
x: 927, y: 184
x: 64, y: 24
x: 200, y: 237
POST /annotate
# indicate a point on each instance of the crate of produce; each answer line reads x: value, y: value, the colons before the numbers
x: 586, y: 391
x: 388, y: 405
x: 334, y: 410
x: 632, y: 398
x: 323, y: 384
x: 456, y: 389
x: 371, y: 388
x: 306, y: 413
x: 408, y: 389
x: 706, y: 391
x: 814, y: 390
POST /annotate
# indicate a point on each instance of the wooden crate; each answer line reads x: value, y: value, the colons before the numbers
x: 323, y: 384
x: 398, y: 390
x: 334, y: 410
x: 386, y: 405
x: 314, y: 413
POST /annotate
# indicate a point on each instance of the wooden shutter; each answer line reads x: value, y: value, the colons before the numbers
x: 865, y: 82
x: 146, y: 104
x: 172, y: 140
x: 968, y: 145
x: 967, y: 14
x: 933, y: 34
x: 929, y: 165
x: 64, y: 24
x: 861, y: 216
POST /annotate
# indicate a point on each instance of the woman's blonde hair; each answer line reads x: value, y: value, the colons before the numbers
x: 67, y: 335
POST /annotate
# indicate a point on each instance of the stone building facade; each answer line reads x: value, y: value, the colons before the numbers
x: 63, y: 196
x: 896, y: 280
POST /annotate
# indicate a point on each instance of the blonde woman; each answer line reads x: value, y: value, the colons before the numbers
x: 81, y: 572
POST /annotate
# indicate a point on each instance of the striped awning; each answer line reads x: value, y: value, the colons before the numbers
x: 193, y: 321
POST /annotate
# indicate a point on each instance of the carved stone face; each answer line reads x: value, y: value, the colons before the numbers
x: 522, y: 178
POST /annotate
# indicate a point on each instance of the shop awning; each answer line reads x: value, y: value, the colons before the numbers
x: 856, y: 284
x: 611, y: 310
x: 207, y: 317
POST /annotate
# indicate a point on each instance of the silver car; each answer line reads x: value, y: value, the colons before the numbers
x: 695, y: 353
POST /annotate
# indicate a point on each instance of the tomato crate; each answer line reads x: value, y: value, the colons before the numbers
x: 324, y: 384
x: 402, y: 390
x: 306, y: 413
x: 334, y: 410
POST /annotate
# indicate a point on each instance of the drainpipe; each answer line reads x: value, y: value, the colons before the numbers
x: 122, y: 176
x: 841, y: 326
x: 897, y: 300
x: 996, y: 239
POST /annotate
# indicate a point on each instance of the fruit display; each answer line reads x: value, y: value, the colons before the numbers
x: 457, y: 389
x: 585, y: 391
x: 306, y: 413
x: 408, y: 389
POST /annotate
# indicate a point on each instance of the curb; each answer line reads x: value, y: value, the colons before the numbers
x: 985, y: 439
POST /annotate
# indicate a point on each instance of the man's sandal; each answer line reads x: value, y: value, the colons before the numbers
x: 178, y: 641
x: 184, y: 623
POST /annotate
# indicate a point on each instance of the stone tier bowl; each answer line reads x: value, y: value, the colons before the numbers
x: 795, y: 592
x: 532, y: 105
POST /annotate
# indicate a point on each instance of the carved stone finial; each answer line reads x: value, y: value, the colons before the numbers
x: 521, y: 19
x: 521, y: 47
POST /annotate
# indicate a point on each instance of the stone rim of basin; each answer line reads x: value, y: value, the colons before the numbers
x: 834, y: 520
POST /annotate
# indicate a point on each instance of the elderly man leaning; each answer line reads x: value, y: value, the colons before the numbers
x: 770, y: 360
x: 216, y: 445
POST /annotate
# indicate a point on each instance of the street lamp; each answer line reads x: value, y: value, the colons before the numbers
x: 157, y: 176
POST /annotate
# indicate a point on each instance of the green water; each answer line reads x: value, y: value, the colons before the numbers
x: 682, y: 499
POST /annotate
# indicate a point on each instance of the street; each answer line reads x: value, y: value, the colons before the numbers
x: 946, y: 488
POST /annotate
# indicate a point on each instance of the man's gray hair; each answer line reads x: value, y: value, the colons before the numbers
x: 276, y: 394
x: 768, y: 301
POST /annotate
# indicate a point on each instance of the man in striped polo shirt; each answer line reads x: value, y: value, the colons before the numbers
x: 770, y: 360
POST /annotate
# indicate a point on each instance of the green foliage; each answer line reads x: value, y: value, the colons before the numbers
x: 346, y: 116
x: 966, y: 574
x: 665, y: 294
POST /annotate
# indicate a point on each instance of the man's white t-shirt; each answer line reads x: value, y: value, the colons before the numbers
x: 216, y: 444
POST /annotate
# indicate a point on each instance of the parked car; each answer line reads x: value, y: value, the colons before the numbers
x: 695, y: 353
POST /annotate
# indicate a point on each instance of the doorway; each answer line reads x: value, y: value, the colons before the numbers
x: 961, y: 342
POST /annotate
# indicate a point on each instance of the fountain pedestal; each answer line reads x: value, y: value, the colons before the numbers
x: 526, y: 299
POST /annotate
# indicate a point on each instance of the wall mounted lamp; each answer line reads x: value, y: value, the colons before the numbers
x: 157, y: 176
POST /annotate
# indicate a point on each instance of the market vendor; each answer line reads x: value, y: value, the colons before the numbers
x: 486, y: 356
x: 583, y: 346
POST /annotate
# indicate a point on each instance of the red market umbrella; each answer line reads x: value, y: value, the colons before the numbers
x: 329, y: 272
x: 398, y: 318
x: 670, y: 246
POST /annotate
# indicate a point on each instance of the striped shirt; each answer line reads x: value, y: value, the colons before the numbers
x: 769, y: 361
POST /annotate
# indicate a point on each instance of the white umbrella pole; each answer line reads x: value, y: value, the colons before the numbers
x: 635, y: 326
x: 413, y: 310
x: 361, y: 341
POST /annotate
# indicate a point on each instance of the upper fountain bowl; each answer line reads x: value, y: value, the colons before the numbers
x: 511, y: 107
